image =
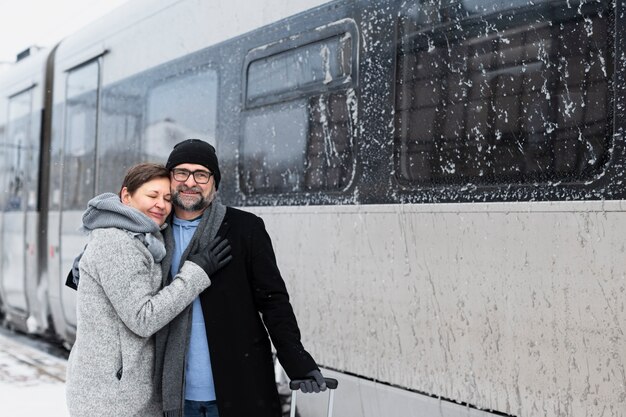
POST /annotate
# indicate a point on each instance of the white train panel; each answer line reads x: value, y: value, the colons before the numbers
x: 511, y: 307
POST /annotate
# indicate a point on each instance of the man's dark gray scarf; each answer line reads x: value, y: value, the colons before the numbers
x: 172, y: 340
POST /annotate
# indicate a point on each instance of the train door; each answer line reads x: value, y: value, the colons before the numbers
x: 37, y: 299
x: 79, y: 169
x: 19, y: 148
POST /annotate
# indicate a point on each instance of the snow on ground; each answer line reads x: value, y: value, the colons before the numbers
x: 32, y: 382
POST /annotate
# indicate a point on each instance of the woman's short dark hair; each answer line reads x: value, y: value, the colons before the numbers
x: 139, y: 174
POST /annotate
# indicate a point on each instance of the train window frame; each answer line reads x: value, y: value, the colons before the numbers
x: 312, y: 180
x: 439, y: 30
x: 97, y: 61
x: 293, y: 43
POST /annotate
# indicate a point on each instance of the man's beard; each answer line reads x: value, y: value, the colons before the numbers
x: 200, y: 204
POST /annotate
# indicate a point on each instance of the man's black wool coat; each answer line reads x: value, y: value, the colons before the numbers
x: 240, y: 349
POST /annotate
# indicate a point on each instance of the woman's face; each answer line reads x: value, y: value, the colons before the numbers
x: 153, y: 199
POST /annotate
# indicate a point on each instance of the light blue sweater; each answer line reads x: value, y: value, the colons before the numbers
x: 198, y: 373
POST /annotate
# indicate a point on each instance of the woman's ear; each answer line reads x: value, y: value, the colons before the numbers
x: 125, y: 196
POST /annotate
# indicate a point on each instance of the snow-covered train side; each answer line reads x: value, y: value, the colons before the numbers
x: 443, y: 182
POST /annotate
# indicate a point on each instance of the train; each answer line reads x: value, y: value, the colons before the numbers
x: 443, y: 181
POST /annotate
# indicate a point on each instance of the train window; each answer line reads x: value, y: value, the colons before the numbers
x: 499, y: 92
x: 80, y: 136
x: 270, y: 166
x: 180, y: 107
x: 299, y: 131
x: 121, y: 112
x: 296, y: 71
x: 19, y: 146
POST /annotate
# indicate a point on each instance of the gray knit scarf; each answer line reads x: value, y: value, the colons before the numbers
x: 173, y: 339
x: 107, y: 210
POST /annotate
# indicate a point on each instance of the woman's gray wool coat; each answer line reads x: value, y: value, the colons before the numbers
x: 119, y: 307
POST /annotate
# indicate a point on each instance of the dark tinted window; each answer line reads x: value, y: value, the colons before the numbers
x: 503, y: 91
x: 306, y: 67
x: 19, y: 150
x: 180, y: 107
x: 299, y: 129
x: 143, y: 117
x: 79, y: 168
x: 119, y: 132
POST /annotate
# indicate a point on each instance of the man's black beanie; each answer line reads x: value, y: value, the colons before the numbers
x: 195, y: 151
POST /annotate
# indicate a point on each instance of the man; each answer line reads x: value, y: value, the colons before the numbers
x: 216, y: 355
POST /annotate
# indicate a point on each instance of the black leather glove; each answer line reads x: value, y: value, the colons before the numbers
x: 315, y: 383
x: 213, y: 256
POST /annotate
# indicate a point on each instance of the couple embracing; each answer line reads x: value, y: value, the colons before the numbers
x: 172, y: 309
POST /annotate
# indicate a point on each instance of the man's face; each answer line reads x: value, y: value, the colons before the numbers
x: 188, y: 195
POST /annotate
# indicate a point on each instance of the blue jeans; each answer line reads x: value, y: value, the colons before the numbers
x: 201, y: 409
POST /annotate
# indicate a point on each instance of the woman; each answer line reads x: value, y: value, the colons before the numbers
x: 120, y: 303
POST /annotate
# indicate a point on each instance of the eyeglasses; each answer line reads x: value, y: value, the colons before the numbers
x: 200, y: 177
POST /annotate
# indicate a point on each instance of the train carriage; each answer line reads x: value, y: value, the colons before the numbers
x: 443, y: 182
x: 22, y: 286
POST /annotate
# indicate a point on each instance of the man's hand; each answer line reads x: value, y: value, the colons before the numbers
x: 212, y: 257
x: 315, y: 383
